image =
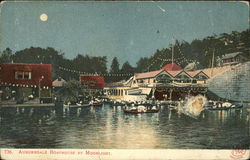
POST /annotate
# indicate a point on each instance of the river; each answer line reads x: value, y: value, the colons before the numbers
x: 109, y: 127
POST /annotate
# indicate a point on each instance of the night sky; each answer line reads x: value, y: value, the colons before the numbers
x: 128, y: 30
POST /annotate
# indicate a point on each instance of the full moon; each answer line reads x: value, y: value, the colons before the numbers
x: 43, y: 17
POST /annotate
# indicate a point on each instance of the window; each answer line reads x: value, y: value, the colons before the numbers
x: 163, y: 79
x: 183, y: 76
x: 23, y: 75
x: 201, y: 77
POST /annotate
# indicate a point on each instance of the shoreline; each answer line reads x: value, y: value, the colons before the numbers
x: 28, y: 105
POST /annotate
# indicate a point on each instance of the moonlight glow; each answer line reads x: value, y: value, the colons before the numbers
x: 43, y: 17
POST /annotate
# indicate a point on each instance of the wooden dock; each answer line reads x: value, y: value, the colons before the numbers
x: 28, y: 105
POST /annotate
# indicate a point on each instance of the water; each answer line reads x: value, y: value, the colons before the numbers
x: 109, y: 127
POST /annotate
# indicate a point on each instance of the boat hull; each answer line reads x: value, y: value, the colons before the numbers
x: 139, y: 112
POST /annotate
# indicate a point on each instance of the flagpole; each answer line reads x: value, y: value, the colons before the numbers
x: 173, y: 51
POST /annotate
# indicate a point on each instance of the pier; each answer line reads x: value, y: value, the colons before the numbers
x: 29, y: 105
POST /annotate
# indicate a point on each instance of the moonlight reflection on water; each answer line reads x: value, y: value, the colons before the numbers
x: 109, y: 127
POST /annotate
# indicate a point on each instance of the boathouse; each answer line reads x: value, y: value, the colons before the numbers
x: 170, y: 82
x: 20, y: 82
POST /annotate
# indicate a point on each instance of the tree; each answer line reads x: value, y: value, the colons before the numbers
x: 114, y: 71
x: 6, y: 56
x: 127, y: 68
x: 114, y: 66
x: 71, y: 90
x: 142, y: 65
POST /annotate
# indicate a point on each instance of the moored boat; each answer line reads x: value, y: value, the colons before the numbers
x: 82, y: 104
x: 141, y: 109
x: 213, y: 105
x: 97, y: 104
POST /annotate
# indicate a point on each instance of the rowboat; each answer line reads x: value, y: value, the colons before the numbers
x: 141, y: 109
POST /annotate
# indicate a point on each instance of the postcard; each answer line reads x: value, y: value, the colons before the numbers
x: 124, y: 80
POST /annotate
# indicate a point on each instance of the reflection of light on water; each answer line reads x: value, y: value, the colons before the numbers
x: 78, y: 112
x: 119, y: 108
x: 140, y: 135
x: 17, y: 110
x: 31, y: 112
x: 92, y: 109
x: 222, y: 115
x: 169, y: 115
x: 113, y: 129
x: 155, y: 117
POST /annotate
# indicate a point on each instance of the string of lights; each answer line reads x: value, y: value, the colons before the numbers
x: 179, y: 60
x: 92, y: 74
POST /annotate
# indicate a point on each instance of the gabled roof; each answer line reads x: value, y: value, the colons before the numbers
x: 194, y: 73
x: 129, y: 81
x: 183, y: 72
x: 171, y: 73
x: 231, y: 55
x: 174, y: 73
x: 201, y: 72
x: 147, y: 74
x: 172, y: 67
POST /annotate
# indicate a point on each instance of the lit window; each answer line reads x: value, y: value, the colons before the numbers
x: 23, y: 75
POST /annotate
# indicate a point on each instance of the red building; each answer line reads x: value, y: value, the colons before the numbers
x: 28, y: 75
x: 22, y: 82
x: 93, y: 81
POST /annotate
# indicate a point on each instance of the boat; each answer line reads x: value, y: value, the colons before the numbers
x: 97, y: 104
x: 213, y: 105
x: 173, y: 105
x: 141, y: 109
x: 118, y: 103
x: 82, y: 104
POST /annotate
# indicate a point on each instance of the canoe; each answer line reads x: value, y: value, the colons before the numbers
x: 97, y: 104
x: 138, y: 112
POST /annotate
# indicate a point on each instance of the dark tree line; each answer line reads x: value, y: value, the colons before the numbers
x: 200, y: 51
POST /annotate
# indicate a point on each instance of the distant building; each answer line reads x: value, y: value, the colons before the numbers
x: 232, y: 58
x: 93, y: 83
x: 58, y: 82
x: 22, y: 80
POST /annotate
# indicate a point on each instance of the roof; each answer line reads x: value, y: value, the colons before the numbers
x: 193, y: 73
x: 58, y: 82
x: 174, y: 73
x: 93, y: 82
x: 231, y: 55
x: 172, y: 67
x: 147, y: 74
x: 153, y: 74
x: 8, y: 71
x: 210, y: 72
x: 115, y: 84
